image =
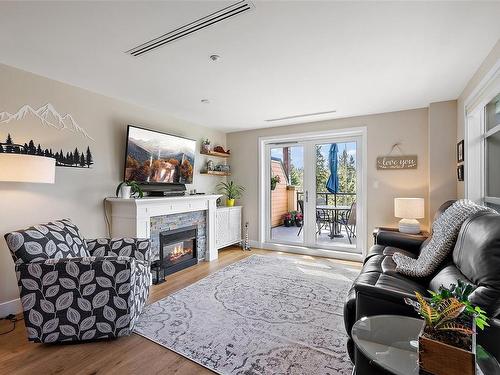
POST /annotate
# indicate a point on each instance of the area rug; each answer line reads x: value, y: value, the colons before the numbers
x: 262, y: 315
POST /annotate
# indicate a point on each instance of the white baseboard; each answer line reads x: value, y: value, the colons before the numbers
x: 335, y: 254
x: 10, y: 307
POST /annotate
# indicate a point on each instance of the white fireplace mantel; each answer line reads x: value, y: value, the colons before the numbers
x: 131, y: 217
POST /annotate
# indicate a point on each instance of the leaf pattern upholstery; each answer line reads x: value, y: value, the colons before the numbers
x: 83, y: 298
x: 135, y: 247
x: 58, y: 239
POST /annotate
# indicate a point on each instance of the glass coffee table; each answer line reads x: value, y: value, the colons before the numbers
x: 391, y: 341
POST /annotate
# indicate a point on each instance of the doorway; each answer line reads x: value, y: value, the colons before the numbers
x: 312, y: 192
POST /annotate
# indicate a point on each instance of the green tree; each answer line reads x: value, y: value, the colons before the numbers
x: 296, y: 176
x: 322, y: 172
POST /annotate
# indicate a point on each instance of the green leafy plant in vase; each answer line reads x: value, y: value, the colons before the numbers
x: 126, y: 189
x: 231, y: 190
x: 447, y: 341
x: 274, y: 181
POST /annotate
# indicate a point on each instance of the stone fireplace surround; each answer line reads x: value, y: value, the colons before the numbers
x: 144, y: 218
x: 178, y: 221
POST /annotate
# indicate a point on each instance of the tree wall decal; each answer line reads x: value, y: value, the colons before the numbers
x: 70, y: 159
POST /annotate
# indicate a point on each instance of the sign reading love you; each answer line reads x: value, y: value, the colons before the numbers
x: 397, y: 162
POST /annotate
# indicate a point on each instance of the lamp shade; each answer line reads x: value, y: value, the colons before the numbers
x: 27, y: 168
x: 409, y: 208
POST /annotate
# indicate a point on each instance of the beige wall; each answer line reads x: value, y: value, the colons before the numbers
x: 488, y: 63
x: 410, y: 128
x: 442, y: 154
x: 77, y: 193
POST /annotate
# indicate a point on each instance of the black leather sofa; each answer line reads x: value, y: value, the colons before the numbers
x: 475, y: 259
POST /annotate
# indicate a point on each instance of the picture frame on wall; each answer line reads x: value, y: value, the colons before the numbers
x: 460, y: 151
x: 460, y: 172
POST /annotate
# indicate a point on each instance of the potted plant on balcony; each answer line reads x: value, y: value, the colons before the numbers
x: 274, y: 181
x: 231, y: 191
x: 447, y: 342
x: 288, y: 219
x: 298, y: 219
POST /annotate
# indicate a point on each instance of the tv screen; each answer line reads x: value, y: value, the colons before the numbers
x: 158, y: 158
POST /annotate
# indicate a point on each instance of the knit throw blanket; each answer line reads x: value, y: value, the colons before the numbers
x: 445, y: 231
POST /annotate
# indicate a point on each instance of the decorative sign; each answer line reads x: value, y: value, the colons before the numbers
x: 397, y: 162
x: 36, y: 122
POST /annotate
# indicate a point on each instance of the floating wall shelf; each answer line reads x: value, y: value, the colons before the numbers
x: 216, y: 173
x: 215, y: 153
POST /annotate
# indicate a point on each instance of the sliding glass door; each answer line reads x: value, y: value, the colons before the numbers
x: 313, y: 189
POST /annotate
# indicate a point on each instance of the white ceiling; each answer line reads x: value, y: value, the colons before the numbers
x: 281, y: 59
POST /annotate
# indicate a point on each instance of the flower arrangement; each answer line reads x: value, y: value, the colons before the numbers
x: 287, y: 219
x: 298, y: 219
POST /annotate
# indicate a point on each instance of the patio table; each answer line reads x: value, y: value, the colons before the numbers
x: 334, y: 232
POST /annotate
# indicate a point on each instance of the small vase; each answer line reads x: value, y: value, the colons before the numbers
x: 298, y: 223
x: 125, y: 192
x: 229, y: 202
x: 287, y: 222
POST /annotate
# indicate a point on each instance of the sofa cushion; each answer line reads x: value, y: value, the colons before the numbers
x: 477, y: 256
x: 448, y: 275
x: 57, y: 239
x: 387, y: 251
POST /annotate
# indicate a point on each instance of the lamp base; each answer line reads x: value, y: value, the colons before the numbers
x: 410, y: 226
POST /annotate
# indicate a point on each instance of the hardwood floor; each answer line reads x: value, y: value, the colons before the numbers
x: 127, y: 355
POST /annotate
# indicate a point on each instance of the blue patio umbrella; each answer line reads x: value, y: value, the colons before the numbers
x: 332, y: 185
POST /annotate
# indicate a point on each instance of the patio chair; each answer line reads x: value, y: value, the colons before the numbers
x: 300, y: 202
x: 323, y: 219
x: 348, y: 221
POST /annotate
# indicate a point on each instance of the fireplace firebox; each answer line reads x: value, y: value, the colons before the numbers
x: 177, y: 251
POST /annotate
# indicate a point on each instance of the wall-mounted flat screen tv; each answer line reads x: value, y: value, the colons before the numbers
x: 158, y: 158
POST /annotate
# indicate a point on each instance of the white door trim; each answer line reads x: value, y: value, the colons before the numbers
x: 474, y: 133
x: 360, y: 132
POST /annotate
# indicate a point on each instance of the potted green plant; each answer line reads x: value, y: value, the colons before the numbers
x: 231, y: 191
x: 274, y: 181
x: 447, y: 342
x: 126, y: 189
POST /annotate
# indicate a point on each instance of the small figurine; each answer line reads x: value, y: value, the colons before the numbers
x: 221, y: 150
x: 205, y: 145
x: 210, y: 165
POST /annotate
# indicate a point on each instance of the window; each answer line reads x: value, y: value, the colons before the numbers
x: 482, y: 141
x: 492, y: 152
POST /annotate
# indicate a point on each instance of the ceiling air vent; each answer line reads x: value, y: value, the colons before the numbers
x: 299, y: 116
x: 199, y: 24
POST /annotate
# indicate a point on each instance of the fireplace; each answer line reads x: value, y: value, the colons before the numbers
x: 177, y: 251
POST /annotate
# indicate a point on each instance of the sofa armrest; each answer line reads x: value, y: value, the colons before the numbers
x: 409, y: 242
x: 82, y: 298
x: 372, y: 300
x: 138, y: 248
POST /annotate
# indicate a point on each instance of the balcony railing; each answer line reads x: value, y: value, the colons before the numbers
x: 330, y: 199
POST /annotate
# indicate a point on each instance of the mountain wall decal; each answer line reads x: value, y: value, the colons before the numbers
x: 48, y: 116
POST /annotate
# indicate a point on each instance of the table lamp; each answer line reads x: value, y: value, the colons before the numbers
x: 27, y: 168
x: 409, y: 210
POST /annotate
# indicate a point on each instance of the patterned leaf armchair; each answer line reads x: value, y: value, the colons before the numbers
x: 74, y: 289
